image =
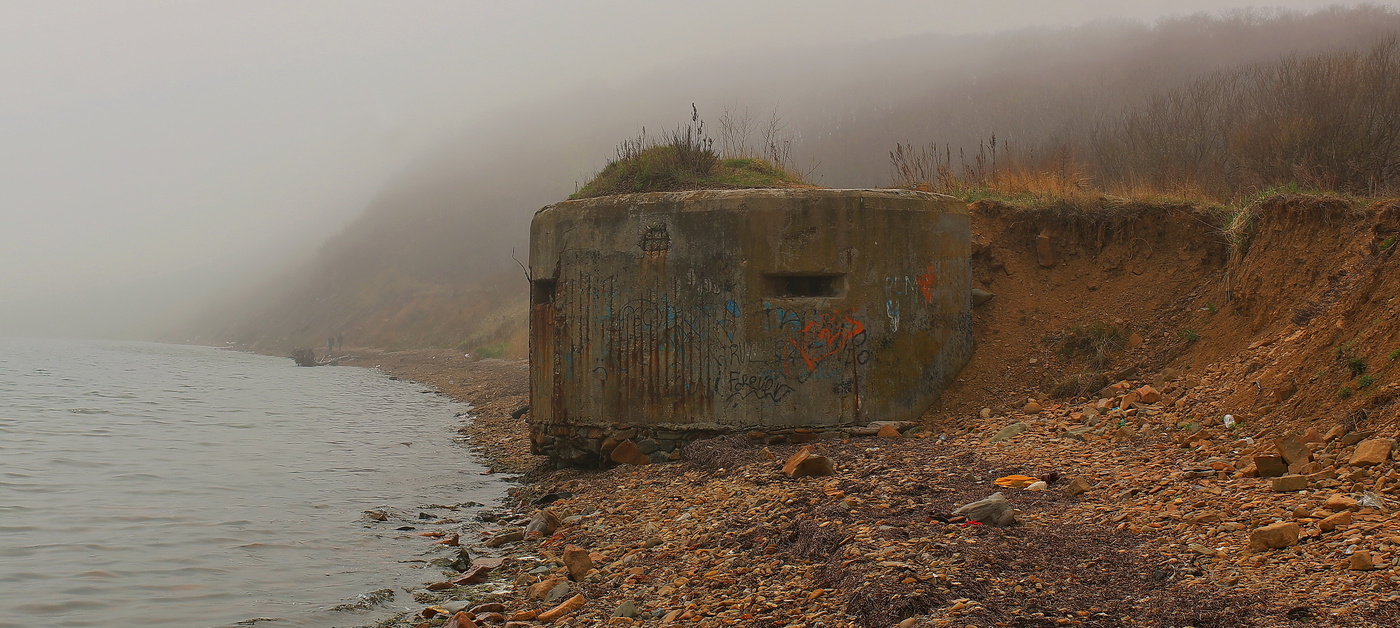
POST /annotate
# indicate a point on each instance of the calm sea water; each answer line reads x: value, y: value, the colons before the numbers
x: 163, y: 485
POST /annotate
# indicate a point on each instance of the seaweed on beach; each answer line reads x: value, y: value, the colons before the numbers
x: 721, y: 452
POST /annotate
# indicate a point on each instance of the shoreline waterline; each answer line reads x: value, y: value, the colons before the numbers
x: 179, y: 485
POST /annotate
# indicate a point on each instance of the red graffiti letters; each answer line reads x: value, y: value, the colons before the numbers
x: 825, y: 337
x: 926, y: 282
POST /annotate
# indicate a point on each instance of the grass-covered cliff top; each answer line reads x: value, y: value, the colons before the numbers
x: 685, y: 159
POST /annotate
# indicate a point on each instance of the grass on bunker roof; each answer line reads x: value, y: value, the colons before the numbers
x: 684, y: 159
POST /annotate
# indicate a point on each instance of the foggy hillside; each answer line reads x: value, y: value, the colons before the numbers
x: 429, y: 262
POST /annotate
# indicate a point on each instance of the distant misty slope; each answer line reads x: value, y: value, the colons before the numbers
x: 429, y: 261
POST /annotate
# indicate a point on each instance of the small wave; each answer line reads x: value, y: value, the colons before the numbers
x: 148, y: 519
x: 185, y: 572
x: 137, y: 476
x: 266, y: 546
x: 110, y: 395
x: 59, y: 608
x: 73, y: 462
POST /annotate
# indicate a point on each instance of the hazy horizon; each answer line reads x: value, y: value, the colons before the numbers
x: 154, y: 154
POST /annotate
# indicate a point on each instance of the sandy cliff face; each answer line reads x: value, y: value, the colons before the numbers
x: 1290, y: 319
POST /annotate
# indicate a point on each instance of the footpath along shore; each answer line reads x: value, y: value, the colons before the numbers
x: 1137, y: 520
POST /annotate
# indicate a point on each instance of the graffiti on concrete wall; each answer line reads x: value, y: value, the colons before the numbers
x: 826, y: 336
x: 744, y: 385
x: 926, y: 282
x: 898, y: 290
x: 656, y: 346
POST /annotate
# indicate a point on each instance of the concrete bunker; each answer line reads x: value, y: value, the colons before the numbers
x: 665, y: 317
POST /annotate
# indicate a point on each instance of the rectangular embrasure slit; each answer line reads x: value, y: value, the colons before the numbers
x: 542, y: 291
x: 804, y: 285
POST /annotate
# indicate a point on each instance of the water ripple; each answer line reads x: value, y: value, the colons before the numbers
x: 145, y: 484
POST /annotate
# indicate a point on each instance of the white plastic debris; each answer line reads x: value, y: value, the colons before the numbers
x: 1372, y: 500
x: 1229, y: 420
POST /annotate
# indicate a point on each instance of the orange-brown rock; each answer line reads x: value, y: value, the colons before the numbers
x: 476, y: 575
x: 1289, y: 483
x: 627, y: 452
x: 1336, y: 432
x: 1077, y: 486
x: 1293, y: 451
x: 1282, y: 534
x: 572, y: 604
x: 544, y: 523
x: 796, y: 459
x: 578, y: 562
x: 1124, y: 433
x: 461, y: 620
x: 1361, y: 561
x: 888, y: 430
x: 1148, y: 394
x: 805, y: 463
x: 539, y: 590
x: 1333, y: 522
x: 1370, y: 453
x: 1270, y: 466
x: 1340, y: 502
x: 814, y: 466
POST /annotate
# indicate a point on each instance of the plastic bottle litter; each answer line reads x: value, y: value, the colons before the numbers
x: 1229, y: 420
x: 1372, y: 500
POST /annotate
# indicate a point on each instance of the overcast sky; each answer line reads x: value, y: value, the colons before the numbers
x: 141, y: 139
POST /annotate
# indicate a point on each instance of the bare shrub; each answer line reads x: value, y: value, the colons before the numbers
x: 776, y: 144
x: 1079, y: 385
x: 1094, y: 342
x: 694, y: 150
x: 303, y: 356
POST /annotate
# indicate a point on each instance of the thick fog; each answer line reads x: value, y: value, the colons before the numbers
x: 156, y: 156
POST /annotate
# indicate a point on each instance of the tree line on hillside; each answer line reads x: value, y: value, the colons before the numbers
x: 1326, y: 122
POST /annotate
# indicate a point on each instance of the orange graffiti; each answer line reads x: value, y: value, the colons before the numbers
x: 821, y: 339
x: 926, y: 282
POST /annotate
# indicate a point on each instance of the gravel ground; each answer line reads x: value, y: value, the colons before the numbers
x: 1160, y: 538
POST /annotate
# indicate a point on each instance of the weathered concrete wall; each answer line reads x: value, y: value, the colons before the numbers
x: 661, y: 317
